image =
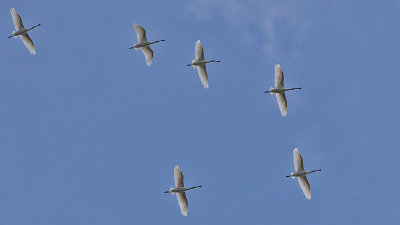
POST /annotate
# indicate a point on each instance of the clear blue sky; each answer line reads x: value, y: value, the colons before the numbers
x: 90, y: 135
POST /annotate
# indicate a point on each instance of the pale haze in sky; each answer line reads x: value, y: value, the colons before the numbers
x: 90, y: 135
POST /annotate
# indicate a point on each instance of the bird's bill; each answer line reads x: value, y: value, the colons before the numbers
x: 266, y: 91
x: 10, y: 36
x: 312, y: 171
x: 188, y: 64
x: 131, y: 47
x: 288, y: 176
x: 166, y: 192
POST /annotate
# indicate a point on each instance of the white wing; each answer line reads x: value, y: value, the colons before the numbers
x: 17, y: 20
x: 278, y: 76
x: 28, y: 43
x: 183, y: 203
x: 201, y: 69
x: 305, y: 186
x: 148, y: 54
x: 281, y: 98
x: 298, y: 160
x: 199, y: 54
x: 178, y: 176
x: 140, y: 33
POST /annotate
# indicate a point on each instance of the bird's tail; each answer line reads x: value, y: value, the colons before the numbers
x: 170, y: 190
x: 270, y: 91
x: 194, y: 66
x: 14, y: 33
x: 291, y: 175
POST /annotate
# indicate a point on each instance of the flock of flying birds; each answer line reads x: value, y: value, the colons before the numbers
x: 200, y: 63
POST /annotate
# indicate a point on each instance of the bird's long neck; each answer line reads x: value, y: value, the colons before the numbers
x: 156, y: 41
x: 193, y: 187
x: 291, y: 89
x: 312, y: 171
x: 33, y: 27
x: 212, y: 61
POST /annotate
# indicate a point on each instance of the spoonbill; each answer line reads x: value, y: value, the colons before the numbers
x: 280, y: 90
x: 180, y: 190
x: 143, y: 44
x: 301, y: 173
x: 22, y: 32
x: 200, y: 63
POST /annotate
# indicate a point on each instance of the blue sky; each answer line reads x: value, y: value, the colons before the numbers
x: 90, y: 135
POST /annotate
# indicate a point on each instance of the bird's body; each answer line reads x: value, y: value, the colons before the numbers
x: 200, y: 63
x: 143, y: 44
x: 301, y: 174
x: 180, y: 190
x: 22, y: 32
x: 280, y: 90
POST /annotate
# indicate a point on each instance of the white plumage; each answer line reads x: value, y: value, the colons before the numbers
x: 22, y: 32
x: 301, y: 174
x: 280, y: 90
x: 180, y: 190
x: 143, y: 44
x: 200, y: 63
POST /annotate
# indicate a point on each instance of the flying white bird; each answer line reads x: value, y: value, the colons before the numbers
x: 143, y: 44
x: 180, y: 190
x: 22, y: 32
x: 200, y: 63
x: 279, y: 90
x: 301, y: 173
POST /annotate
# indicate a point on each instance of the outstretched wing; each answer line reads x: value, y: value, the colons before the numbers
x: 183, y: 203
x: 148, y: 54
x: 199, y: 53
x: 279, y: 76
x: 305, y: 186
x: 140, y: 33
x: 201, y: 69
x: 17, y: 20
x: 178, y: 176
x: 281, y: 98
x: 297, y: 160
x: 28, y: 43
